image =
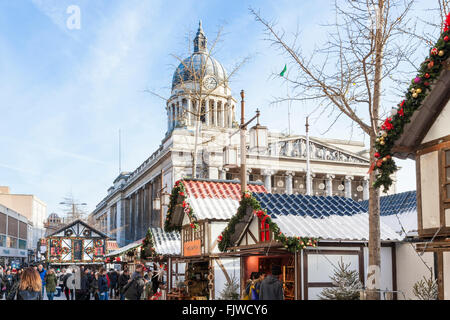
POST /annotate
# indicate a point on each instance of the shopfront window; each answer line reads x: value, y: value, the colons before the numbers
x: 264, y: 232
x: 2, y: 241
x: 11, y: 242
x: 22, y: 244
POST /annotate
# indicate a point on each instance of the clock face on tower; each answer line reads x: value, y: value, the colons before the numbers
x: 210, y: 83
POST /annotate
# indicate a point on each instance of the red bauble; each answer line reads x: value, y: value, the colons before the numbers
x: 377, y: 155
x: 434, y: 51
x: 427, y: 75
x: 446, y: 38
x: 426, y: 83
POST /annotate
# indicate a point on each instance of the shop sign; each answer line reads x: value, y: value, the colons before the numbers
x: 192, y: 248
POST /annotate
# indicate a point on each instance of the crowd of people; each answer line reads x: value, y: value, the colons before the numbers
x: 79, y: 283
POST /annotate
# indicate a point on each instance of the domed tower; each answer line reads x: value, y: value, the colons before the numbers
x: 200, y: 79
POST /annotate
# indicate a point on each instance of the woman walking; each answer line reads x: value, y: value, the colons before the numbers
x: 30, y: 285
x: 103, y: 284
x: 50, y: 283
x: 94, y: 287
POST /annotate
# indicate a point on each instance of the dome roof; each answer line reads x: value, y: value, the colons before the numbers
x: 193, y: 67
x: 200, y: 61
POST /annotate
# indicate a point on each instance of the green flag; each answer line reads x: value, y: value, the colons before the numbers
x: 284, y: 70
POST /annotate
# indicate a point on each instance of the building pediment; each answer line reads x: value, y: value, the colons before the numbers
x: 295, y: 147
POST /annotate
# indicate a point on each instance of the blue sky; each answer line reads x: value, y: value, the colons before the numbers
x: 65, y: 93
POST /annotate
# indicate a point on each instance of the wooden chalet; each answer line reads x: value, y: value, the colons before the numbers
x: 307, y: 236
x: 426, y: 139
x: 76, y: 244
x: 200, y: 209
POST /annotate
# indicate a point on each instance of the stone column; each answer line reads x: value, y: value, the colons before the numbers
x: 348, y: 186
x: 207, y: 112
x: 119, y: 222
x: 108, y: 221
x: 329, y: 184
x: 188, y: 112
x: 222, y: 114
x: 168, y: 118
x: 267, y: 174
x: 366, y: 188
x: 136, y: 215
x: 288, y: 181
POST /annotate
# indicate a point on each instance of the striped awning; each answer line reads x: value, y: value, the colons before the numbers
x: 111, y: 245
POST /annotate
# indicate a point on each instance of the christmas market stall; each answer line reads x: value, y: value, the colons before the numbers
x: 159, y: 251
x: 76, y: 244
x: 127, y: 256
x: 309, y: 237
x: 200, y: 209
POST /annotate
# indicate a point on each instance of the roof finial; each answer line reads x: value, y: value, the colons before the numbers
x: 200, y: 39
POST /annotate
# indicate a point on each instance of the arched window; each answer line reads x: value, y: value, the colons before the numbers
x: 212, y: 113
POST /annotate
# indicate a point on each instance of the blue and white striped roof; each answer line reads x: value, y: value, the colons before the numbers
x: 327, y: 218
x: 400, y: 206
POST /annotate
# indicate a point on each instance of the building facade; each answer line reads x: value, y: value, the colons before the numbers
x: 15, y: 237
x: 338, y: 167
x: 30, y: 206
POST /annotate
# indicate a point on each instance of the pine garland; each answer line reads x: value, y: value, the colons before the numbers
x: 392, y: 128
x: 292, y: 244
x: 179, y: 191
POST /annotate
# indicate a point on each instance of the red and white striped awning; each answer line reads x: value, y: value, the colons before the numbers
x: 111, y: 245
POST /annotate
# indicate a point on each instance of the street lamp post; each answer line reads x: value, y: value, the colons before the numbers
x: 260, y: 135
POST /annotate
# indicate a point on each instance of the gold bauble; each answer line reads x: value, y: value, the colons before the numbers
x: 419, y: 90
x: 384, y: 159
x: 415, y: 95
x: 412, y: 90
x: 378, y: 139
x: 382, y: 143
x: 441, y: 53
x: 384, y: 134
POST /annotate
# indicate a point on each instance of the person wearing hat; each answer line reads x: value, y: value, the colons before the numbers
x: 271, y: 287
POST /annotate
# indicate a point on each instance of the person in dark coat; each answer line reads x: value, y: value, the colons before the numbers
x: 103, y: 285
x: 134, y: 289
x: 123, y: 280
x: 30, y: 285
x: 271, y: 287
x: 85, y: 288
x: 113, y: 278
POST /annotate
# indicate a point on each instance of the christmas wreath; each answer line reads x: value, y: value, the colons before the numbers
x: 65, y: 250
x: 56, y: 242
x: 89, y: 250
x: 179, y: 190
x: 392, y: 128
x: 292, y: 244
x: 98, y: 243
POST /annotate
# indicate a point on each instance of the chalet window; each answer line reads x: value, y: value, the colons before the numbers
x: 187, y: 234
x: 264, y: 231
x: 447, y: 175
x: 77, y: 249
x: 99, y: 251
x: 198, y: 234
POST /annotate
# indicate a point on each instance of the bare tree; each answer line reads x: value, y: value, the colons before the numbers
x: 193, y: 82
x: 365, y: 47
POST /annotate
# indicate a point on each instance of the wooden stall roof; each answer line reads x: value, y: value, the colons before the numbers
x: 424, y: 117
